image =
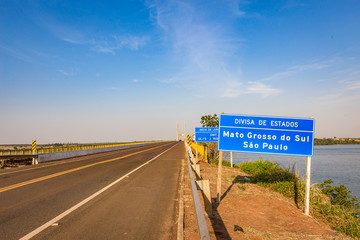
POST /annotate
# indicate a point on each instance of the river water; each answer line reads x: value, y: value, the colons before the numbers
x: 341, y: 163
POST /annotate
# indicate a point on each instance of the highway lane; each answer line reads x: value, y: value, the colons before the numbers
x: 41, y: 170
x: 141, y: 205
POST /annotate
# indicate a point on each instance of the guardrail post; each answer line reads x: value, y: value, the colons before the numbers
x: 196, y: 168
x: 204, y: 186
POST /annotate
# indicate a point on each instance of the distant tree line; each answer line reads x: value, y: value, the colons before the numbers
x: 335, y: 141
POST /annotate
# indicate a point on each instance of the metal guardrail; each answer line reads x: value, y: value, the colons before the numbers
x: 62, y: 149
x: 200, y: 216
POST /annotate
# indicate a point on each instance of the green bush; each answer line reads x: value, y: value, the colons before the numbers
x: 340, y: 195
x: 341, y: 219
x: 266, y: 172
x: 257, y: 167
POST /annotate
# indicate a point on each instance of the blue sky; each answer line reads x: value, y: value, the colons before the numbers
x: 103, y: 71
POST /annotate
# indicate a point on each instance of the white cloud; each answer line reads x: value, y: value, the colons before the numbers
x: 339, y: 97
x: 65, y: 73
x: 205, y: 50
x: 116, y: 43
x: 354, y: 85
x: 102, y: 43
x: 17, y: 54
x: 300, y: 68
x: 350, y: 77
x: 132, y: 42
x: 262, y: 89
x: 235, y: 7
x: 346, y: 90
x: 198, y: 41
x: 67, y: 34
x: 232, y: 90
x: 114, y: 88
x: 235, y: 89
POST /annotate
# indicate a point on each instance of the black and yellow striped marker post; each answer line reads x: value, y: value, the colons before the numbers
x: 34, y: 151
x: 188, y: 139
x: 33, y: 146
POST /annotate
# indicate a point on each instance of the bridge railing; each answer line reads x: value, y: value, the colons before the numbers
x: 43, y: 150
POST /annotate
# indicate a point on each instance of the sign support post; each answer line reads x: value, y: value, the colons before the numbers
x: 307, y: 186
x: 218, y: 192
x: 231, y: 159
x: 196, y: 153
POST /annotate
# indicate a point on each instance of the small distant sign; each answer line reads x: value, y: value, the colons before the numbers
x: 269, y: 135
x: 206, y: 134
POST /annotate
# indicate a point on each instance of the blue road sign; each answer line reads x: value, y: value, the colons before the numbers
x: 270, y: 135
x: 206, y: 134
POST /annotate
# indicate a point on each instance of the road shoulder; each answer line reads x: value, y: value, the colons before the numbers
x: 249, y: 211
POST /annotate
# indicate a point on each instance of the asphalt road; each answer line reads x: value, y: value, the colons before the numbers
x: 127, y: 194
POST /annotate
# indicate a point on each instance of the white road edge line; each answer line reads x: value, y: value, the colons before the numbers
x: 67, y: 212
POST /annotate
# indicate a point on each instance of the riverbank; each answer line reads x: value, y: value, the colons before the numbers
x: 249, y: 211
x: 335, y: 141
x: 337, y: 162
